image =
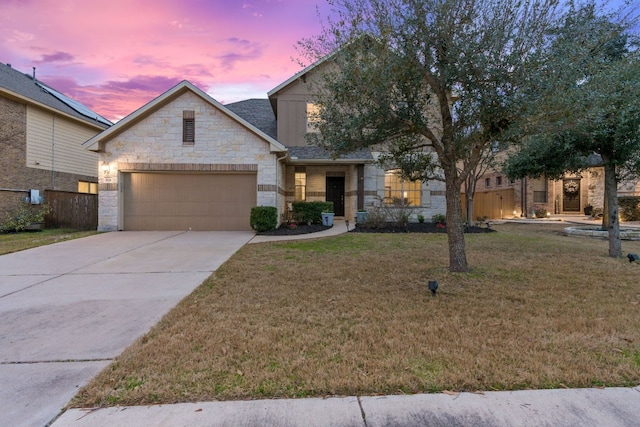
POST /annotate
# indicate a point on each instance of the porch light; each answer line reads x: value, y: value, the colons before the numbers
x: 633, y: 257
x: 433, y: 286
x: 106, y: 168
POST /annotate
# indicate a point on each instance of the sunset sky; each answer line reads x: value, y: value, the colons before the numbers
x: 115, y: 56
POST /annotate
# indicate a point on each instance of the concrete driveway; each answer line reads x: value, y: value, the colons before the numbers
x: 68, y: 309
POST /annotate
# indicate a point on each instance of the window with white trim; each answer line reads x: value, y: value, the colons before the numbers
x: 301, y: 184
x: 398, y: 190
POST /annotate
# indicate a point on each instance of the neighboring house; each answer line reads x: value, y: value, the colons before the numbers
x: 185, y: 161
x: 498, y: 197
x: 41, y: 136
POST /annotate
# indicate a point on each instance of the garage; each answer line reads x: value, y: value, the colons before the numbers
x: 188, y: 201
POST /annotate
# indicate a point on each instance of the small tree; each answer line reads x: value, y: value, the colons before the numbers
x: 429, y: 80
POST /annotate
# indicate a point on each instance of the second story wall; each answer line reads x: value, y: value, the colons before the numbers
x: 55, y: 143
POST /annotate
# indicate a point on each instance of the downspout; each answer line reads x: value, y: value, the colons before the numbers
x: 523, y: 198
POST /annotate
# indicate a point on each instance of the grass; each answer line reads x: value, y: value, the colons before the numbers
x: 14, y: 242
x: 351, y: 315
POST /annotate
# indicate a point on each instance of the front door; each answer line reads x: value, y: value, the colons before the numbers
x: 335, y: 193
x: 571, y: 195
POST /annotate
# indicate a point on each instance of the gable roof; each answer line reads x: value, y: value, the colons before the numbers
x: 96, y: 143
x: 24, y: 87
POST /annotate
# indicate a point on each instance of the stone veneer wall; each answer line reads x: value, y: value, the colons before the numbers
x: 16, y: 174
x: 221, y: 145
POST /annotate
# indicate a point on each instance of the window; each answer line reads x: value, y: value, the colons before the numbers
x: 87, y: 187
x: 487, y: 182
x: 313, y: 118
x: 188, y: 127
x: 498, y: 181
x: 301, y: 184
x: 539, y: 190
x: 397, y: 190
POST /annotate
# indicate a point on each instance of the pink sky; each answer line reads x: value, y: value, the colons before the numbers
x: 115, y: 56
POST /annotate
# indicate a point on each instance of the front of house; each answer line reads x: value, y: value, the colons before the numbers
x: 186, y: 162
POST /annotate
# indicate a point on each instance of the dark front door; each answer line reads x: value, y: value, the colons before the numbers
x: 571, y: 195
x: 335, y: 193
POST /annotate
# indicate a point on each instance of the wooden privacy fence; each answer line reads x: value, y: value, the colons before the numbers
x: 71, y: 210
x: 491, y: 204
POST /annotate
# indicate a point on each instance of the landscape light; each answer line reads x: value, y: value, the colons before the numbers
x: 433, y: 286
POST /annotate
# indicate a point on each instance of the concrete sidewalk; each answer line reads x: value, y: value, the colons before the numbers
x: 611, y: 407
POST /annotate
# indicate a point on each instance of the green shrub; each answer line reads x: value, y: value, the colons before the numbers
x: 420, y: 218
x: 539, y: 211
x: 20, y: 218
x: 311, y: 211
x: 629, y: 208
x: 264, y: 218
x: 439, y: 219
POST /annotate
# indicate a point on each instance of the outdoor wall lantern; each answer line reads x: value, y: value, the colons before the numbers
x: 633, y: 257
x: 433, y: 286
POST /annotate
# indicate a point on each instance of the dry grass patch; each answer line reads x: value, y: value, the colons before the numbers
x: 351, y: 315
x: 14, y: 242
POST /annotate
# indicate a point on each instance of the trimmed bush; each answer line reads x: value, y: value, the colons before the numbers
x: 310, y: 211
x: 264, y: 218
x: 629, y: 208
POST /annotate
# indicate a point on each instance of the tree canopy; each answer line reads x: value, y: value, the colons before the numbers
x: 583, y: 108
x: 431, y: 83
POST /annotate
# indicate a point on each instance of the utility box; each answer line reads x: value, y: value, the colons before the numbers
x: 34, y: 197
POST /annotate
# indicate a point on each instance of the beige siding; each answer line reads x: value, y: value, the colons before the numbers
x: 54, y: 142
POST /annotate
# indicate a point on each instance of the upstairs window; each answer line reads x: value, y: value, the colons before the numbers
x: 498, y: 181
x: 313, y: 118
x: 188, y: 127
x: 487, y: 182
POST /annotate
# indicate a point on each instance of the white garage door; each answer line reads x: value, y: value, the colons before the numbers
x: 181, y: 201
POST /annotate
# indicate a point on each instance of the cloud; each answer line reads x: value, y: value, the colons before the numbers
x: 241, y: 50
x: 55, y: 57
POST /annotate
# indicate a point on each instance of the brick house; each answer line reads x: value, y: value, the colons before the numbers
x: 41, y: 136
x: 185, y: 161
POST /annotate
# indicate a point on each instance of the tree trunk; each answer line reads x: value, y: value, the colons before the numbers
x: 469, y: 205
x: 611, y: 196
x: 455, y: 228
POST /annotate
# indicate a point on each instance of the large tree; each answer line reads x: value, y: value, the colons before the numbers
x: 583, y: 105
x: 432, y: 82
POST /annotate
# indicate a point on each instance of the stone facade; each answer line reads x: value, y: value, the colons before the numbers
x: 155, y: 143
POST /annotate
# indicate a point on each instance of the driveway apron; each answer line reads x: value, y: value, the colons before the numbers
x: 68, y: 309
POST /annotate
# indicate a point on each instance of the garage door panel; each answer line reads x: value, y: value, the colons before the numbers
x: 170, y: 201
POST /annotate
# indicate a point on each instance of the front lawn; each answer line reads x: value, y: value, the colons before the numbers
x: 352, y: 315
x: 14, y: 242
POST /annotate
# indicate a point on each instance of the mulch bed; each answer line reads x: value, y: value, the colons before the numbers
x: 413, y: 227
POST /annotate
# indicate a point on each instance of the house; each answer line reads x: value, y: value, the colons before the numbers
x: 186, y: 162
x: 41, y: 136
x: 498, y: 197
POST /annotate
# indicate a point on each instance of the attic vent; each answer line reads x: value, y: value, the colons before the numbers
x: 188, y: 127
